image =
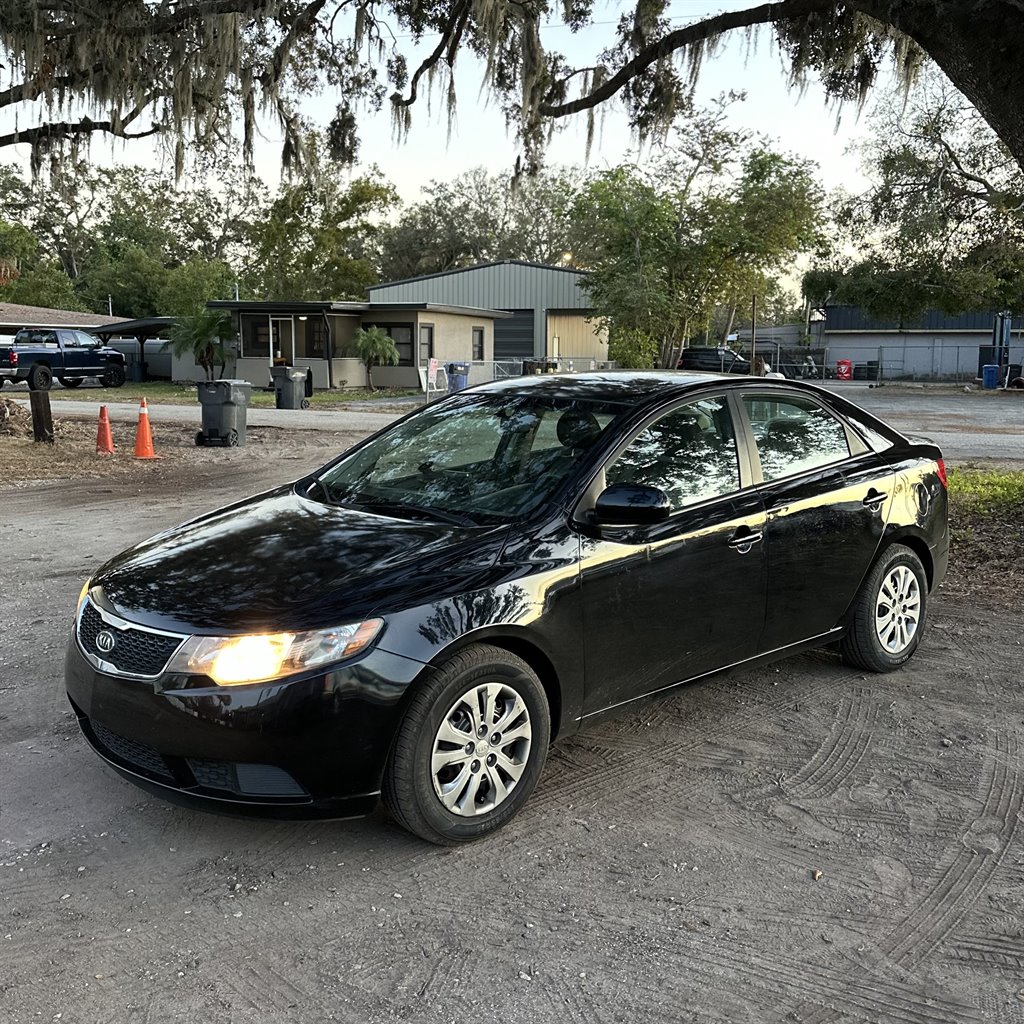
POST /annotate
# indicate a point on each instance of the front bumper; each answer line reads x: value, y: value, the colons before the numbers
x: 308, y: 746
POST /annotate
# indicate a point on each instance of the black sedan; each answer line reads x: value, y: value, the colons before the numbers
x: 420, y: 618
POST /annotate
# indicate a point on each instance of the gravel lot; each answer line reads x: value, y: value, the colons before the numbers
x: 801, y: 843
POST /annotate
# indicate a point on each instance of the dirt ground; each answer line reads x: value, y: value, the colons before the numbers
x: 800, y: 843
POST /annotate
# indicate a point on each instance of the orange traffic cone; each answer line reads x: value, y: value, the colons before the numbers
x: 104, y: 438
x: 143, y: 435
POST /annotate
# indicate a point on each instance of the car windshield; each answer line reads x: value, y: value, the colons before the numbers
x: 473, y: 458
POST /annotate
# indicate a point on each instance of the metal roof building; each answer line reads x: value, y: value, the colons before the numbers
x: 545, y: 302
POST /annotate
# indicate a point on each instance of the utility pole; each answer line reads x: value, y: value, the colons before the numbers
x: 110, y: 305
x: 753, y: 331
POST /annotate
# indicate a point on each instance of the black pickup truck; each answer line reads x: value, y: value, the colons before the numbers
x: 39, y: 354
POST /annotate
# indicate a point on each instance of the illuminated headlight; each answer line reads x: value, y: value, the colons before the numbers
x: 256, y: 658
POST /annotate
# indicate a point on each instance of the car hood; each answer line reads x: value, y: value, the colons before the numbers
x: 281, y: 561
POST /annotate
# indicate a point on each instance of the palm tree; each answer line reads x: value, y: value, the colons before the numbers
x: 203, y: 336
x: 374, y: 347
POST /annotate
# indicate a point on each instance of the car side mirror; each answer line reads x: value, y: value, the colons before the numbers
x: 631, y: 505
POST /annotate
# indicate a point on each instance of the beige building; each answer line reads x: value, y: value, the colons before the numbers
x: 319, y: 335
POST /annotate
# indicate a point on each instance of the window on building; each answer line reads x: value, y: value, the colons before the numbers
x: 426, y: 343
x: 316, y: 338
x: 255, y: 337
x: 401, y: 335
x: 478, y: 344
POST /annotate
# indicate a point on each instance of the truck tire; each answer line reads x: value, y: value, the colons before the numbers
x: 40, y: 377
x: 114, y: 376
x: 71, y: 382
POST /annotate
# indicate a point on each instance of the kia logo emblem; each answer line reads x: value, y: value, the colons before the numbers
x: 105, y: 641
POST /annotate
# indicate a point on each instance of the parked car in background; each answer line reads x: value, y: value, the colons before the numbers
x: 419, y: 618
x: 714, y: 360
x: 38, y: 355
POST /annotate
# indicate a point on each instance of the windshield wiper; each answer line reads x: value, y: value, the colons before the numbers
x: 409, y: 510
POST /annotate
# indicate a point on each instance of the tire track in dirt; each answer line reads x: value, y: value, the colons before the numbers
x: 965, y: 877
x: 847, y: 988
x: 841, y: 753
x: 1001, y: 952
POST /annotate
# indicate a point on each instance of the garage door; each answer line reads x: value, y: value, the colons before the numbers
x: 513, y: 336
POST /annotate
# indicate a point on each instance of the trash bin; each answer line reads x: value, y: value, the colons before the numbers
x: 990, y: 377
x: 458, y: 376
x: 136, y: 373
x: 844, y: 369
x: 291, y: 386
x: 224, y: 403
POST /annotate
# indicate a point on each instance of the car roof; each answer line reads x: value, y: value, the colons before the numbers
x: 606, y: 385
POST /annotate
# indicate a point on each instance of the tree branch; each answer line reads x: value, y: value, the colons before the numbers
x: 686, y: 36
x: 64, y: 129
x: 450, y: 36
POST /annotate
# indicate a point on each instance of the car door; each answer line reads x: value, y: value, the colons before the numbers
x: 91, y: 361
x: 683, y: 597
x: 70, y: 355
x: 827, y: 499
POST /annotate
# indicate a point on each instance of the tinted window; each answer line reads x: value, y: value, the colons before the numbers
x: 794, y: 434
x: 35, y: 338
x: 690, y: 454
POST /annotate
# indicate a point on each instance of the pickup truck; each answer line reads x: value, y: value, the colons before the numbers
x: 40, y: 353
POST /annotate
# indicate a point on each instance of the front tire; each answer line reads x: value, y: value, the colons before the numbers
x: 889, y: 613
x: 114, y: 376
x: 470, y: 749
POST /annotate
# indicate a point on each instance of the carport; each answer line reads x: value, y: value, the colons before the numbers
x: 149, y: 328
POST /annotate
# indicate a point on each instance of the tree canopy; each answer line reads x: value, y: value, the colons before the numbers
x: 708, y: 224
x: 942, y: 224
x: 193, y: 71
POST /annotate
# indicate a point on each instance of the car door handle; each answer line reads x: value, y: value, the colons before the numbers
x: 875, y: 498
x: 746, y: 540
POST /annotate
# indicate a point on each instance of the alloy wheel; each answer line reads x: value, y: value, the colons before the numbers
x: 897, y: 609
x: 481, y: 749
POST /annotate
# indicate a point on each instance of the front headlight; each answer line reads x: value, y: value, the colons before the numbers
x: 82, y: 595
x: 257, y: 658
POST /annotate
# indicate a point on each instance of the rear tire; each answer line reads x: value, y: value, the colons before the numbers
x: 888, y: 615
x: 71, y: 382
x: 200, y: 439
x: 448, y: 779
x: 40, y: 377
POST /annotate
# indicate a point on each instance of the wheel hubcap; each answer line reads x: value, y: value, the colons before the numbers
x: 481, y: 749
x: 898, y: 610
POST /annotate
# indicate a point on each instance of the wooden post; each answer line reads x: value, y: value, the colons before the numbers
x: 42, y: 417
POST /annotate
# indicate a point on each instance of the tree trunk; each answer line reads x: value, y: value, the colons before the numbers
x: 730, y: 322
x: 978, y: 47
x: 369, y: 375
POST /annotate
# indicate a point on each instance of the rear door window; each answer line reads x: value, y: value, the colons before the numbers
x: 794, y: 434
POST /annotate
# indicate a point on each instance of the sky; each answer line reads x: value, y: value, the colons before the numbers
x: 801, y: 122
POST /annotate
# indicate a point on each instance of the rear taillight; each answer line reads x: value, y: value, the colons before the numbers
x: 14, y: 358
x: 940, y: 468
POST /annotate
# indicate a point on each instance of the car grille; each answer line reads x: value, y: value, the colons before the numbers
x: 226, y: 777
x: 138, y: 755
x: 135, y: 652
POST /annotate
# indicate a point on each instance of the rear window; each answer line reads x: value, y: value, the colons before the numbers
x: 36, y: 338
